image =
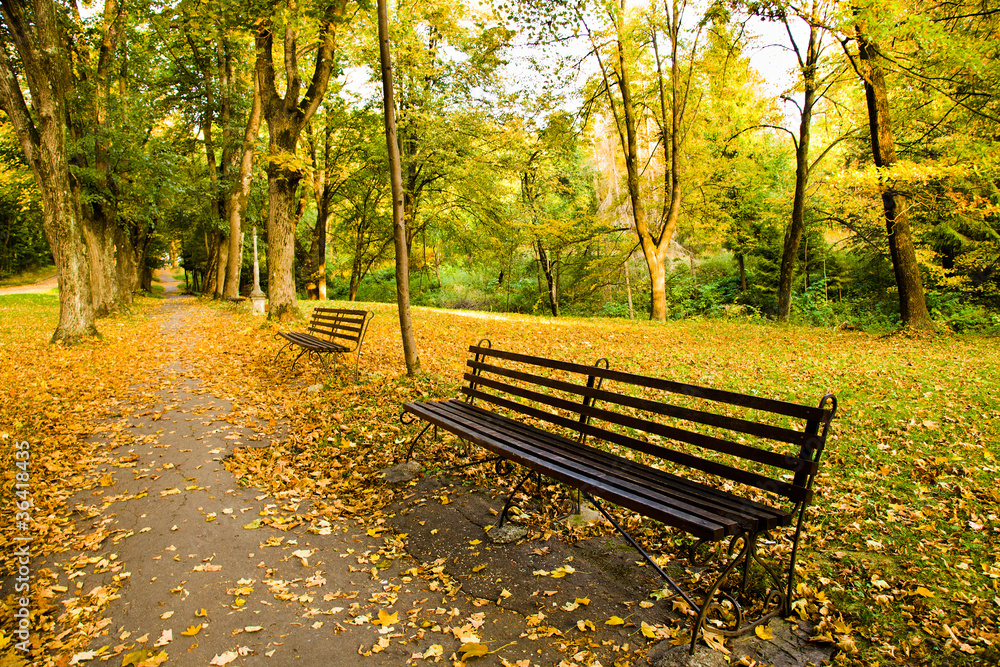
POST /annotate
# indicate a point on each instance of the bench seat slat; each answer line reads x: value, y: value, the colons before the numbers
x: 794, y: 493
x: 681, y: 487
x: 568, y: 464
x: 641, y: 479
x: 312, y: 342
x: 529, y: 457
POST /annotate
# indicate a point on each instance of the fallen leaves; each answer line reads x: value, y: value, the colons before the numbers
x: 192, y: 630
x: 385, y: 618
x: 224, y: 658
x: 912, y: 484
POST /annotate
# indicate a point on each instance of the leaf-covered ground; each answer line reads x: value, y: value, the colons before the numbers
x: 901, y: 561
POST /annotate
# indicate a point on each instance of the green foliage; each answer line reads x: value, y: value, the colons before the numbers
x: 22, y: 236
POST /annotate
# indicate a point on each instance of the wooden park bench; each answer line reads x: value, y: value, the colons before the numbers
x: 336, y: 331
x: 717, y: 464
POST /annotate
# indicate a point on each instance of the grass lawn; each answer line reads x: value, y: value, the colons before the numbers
x: 901, y: 561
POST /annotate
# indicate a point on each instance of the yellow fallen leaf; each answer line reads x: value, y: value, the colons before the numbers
x: 479, y: 568
x: 154, y: 660
x: 192, y: 630
x: 385, y: 618
x: 764, y: 632
x: 434, y: 651
x: 475, y: 542
x: 583, y: 601
x: 585, y: 624
x: 201, y: 613
x: 615, y: 620
x: 923, y: 592
x: 647, y: 630
x: 473, y: 650
x: 715, y: 641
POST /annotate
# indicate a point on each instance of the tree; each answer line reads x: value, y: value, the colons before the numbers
x: 654, y: 224
x: 912, y: 301
x: 815, y: 86
x: 239, y: 192
x: 410, y: 354
x: 286, y: 116
x: 53, y: 70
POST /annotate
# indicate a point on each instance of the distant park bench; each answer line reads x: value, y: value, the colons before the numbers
x: 336, y: 331
x: 686, y: 463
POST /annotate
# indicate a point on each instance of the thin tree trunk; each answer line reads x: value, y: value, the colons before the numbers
x: 221, y: 262
x: 628, y: 288
x: 912, y: 301
x: 793, y: 235
x: 546, y: 266
x: 396, y: 182
x: 238, y: 196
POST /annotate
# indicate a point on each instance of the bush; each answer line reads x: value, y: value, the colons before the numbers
x: 951, y: 310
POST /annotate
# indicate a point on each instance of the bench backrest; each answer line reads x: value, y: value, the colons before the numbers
x: 340, y: 325
x: 768, y: 444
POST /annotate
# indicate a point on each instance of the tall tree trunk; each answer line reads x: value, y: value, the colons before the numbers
x: 322, y: 187
x: 912, y: 301
x: 793, y: 235
x: 546, y: 265
x: 100, y: 239
x: 653, y: 240
x: 239, y: 193
x: 64, y: 231
x: 125, y: 264
x: 410, y: 354
x: 222, y: 260
x: 51, y: 68
x: 286, y: 117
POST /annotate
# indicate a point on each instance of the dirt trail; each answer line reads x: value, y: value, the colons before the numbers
x: 183, y: 555
x: 45, y: 285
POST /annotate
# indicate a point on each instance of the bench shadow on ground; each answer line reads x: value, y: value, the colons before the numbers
x: 446, y: 521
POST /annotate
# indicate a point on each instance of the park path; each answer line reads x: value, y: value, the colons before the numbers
x: 45, y: 285
x: 181, y: 555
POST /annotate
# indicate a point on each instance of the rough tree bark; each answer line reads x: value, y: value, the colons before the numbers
x: 286, y: 117
x: 45, y: 65
x: 410, y: 354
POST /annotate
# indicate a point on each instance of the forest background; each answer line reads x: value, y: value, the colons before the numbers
x: 592, y: 158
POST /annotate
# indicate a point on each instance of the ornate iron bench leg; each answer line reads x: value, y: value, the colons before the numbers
x: 635, y: 545
x: 322, y: 361
x: 283, y: 348
x: 773, y: 599
x: 406, y: 418
x: 296, y: 360
x: 510, y: 498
